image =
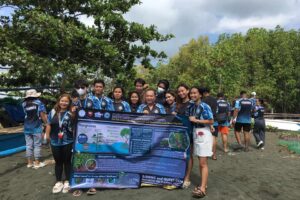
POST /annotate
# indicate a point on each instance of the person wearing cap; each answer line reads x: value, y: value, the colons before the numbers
x: 253, y: 99
x: 35, y: 115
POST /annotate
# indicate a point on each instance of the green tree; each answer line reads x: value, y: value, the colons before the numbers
x: 45, y: 42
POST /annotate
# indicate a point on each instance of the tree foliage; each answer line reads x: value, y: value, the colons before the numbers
x: 45, y: 42
x: 265, y: 61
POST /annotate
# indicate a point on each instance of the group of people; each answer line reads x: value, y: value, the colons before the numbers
x: 208, y: 116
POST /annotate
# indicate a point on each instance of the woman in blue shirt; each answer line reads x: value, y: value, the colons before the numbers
x: 201, y: 117
x: 134, y: 100
x: 59, y: 131
x: 119, y: 104
x: 170, y: 102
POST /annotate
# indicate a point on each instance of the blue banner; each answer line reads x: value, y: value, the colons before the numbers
x: 126, y: 150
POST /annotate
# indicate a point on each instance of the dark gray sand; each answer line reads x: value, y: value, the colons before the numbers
x: 270, y: 174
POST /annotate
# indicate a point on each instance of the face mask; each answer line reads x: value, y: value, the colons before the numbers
x: 160, y: 90
x: 81, y: 92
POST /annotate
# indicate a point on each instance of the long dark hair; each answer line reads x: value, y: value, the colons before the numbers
x: 173, y: 94
x: 57, y: 106
x: 123, y: 92
x: 129, y: 97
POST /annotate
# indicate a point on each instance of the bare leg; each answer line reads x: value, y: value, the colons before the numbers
x: 204, y: 172
x: 214, y: 156
x: 238, y: 137
x: 190, y: 166
x: 225, y: 143
x: 247, y: 140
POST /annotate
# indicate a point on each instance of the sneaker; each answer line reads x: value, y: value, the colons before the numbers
x: 57, y: 187
x: 66, y: 187
x: 186, y: 184
x: 41, y: 164
x: 260, y: 144
x: 29, y: 165
x: 263, y: 148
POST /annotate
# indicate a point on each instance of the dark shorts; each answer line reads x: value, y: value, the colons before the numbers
x: 245, y: 126
x: 216, y: 132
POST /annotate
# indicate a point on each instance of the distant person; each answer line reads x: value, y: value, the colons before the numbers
x: 118, y: 100
x: 212, y: 102
x: 253, y: 98
x: 171, y: 102
x: 59, y: 131
x: 134, y: 101
x: 100, y: 101
x: 242, y: 119
x: 140, y: 86
x: 222, y: 117
x: 162, y: 88
x: 150, y: 106
x: 200, y: 115
x: 259, y: 124
x: 35, y: 116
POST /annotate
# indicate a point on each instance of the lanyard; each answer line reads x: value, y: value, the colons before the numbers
x: 60, y: 121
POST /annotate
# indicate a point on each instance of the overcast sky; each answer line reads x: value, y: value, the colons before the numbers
x: 188, y: 19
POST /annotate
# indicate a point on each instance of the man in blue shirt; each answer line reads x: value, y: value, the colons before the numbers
x: 100, y: 102
x: 84, y: 100
x: 242, y: 119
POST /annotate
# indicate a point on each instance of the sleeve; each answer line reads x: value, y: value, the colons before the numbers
x: 42, y: 107
x: 109, y: 105
x: 70, y: 123
x: 237, y: 105
x: 49, y: 118
x: 188, y: 110
x: 207, y: 113
x: 126, y: 106
x: 162, y: 109
x: 140, y: 108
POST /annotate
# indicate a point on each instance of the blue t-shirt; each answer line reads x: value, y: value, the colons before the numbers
x: 253, y: 100
x: 223, y: 107
x: 102, y: 103
x: 86, y: 103
x: 201, y: 112
x: 157, y: 109
x: 33, y: 123
x: 245, y: 107
x: 123, y: 106
x: 66, y: 128
x: 170, y: 108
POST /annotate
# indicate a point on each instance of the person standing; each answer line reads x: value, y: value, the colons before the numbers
x: 242, y: 119
x: 170, y: 102
x: 100, y: 101
x: 200, y: 115
x: 119, y: 104
x: 59, y: 131
x: 35, y: 115
x: 150, y: 106
x: 212, y: 102
x: 134, y: 101
x: 162, y: 88
x: 222, y: 117
x: 259, y: 124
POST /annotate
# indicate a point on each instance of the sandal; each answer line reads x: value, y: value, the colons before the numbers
x: 198, y: 193
x: 214, y: 157
x: 91, y: 191
x: 57, y: 187
x: 77, y: 193
x: 186, y: 184
x: 66, y: 187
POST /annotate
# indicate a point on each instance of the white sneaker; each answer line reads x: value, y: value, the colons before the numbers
x: 41, y: 164
x: 57, y: 187
x: 260, y: 143
x: 66, y: 187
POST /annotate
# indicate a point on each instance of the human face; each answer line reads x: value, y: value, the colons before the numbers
x: 257, y: 102
x: 98, y: 89
x: 170, y: 99
x: 139, y: 87
x: 118, y: 94
x: 182, y: 92
x: 64, y: 102
x: 195, y: 95
x: 134, y: 98
x: 150, y: 97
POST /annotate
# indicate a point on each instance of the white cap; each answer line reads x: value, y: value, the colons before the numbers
x: 32, y: 93
x: 253, y: 93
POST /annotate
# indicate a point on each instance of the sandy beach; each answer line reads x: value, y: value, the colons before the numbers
x: 270, y: 174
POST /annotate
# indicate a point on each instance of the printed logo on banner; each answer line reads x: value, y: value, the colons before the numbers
x: 107, y: 115
x: 98, y: 114
x: 82, y: 138
x: 81, y: 113
x: 90, y: 114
